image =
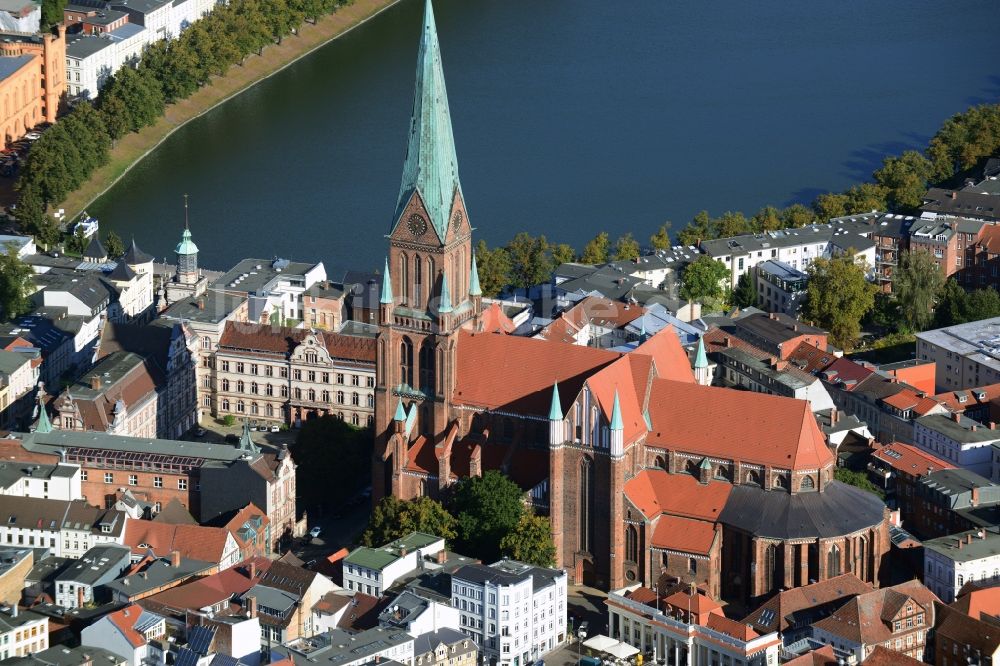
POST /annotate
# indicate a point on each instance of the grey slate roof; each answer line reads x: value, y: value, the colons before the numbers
x: 218, y: 306
x: 53, y: 441
x: 839, y: 509
x: 10, y: 64
x: 96, y: 563
x: 95, y: 250
x: 133, y: 255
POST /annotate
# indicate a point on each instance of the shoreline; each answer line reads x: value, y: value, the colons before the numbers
x: 136, y: 146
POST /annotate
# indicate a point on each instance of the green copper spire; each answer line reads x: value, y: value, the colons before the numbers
x: 44, y: 425
x: 705, y: 464
x: 474, y: 288
x: 431, y: 168
x: 386, y: 285
x: 700, y: 360
x: 186, y: 246
x: 555, y: 411
x: 246, y: 442
x: 445, y: 305
x: 400, y: 412
x: 616, y: 414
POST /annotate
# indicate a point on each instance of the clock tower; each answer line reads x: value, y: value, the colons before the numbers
x: 428, y: 277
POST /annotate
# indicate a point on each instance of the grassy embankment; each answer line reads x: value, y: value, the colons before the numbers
x: 136, y: 145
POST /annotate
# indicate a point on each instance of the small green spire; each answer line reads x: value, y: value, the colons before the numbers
x: 386, y: 285
x: 400, y: 412
x: 246, y: 441
x: 705, y: 464
x: 474, y: 288
x: 445, y: 305
x: 700, y: 360
x: 616, y: 414
x: 186, y: 246
x: 555, y: 411
x: 44, y: 425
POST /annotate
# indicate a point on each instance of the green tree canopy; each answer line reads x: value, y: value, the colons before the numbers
x: 956, y: 306
x: 661, y: 239
x: 596, y: 251
x: 731, y: 224
x: 494, y: 269
x: 697, y: 230
x: 767, y: 218
x: 797, y: 215
x: 745, y: 294
x: 702, y: 280
x: 530, y: 542
x: 15, y: 285
x: 965, y: 139
x: 830, y: 205
x: 487, y: 508
x: 114, y: 245
x: 394, y: 518
x: 627, y: 247
x: 562, y: 253
x: 30, y: 213
x: 838, y: 296
x: 529, y: 262
x: 916, y: 283
x: 905, y: 179
x: 858, y: 480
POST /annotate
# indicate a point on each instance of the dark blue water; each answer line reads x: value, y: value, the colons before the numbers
x: 570, y: 116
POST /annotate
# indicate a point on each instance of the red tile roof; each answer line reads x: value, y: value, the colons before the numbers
x: 847, y: 371
x: 989, y: 238
x: 264, y: 338
x: 707, y: 420
x: 493, y: 320
x: 883, y: 656
x: 724, y: 625
x: 823, y: 656
x: 124, y: 620
x: 951, y: 398
x: 810, y: 358
x: 193, y: 542
x: 863, y: 618
x: 683, y: 534
x: 787, y: 603
x: 212, y: 589
x: 655, y: 492
x: 910, y: 459
x: 717, y: 340
x: 976, y: 602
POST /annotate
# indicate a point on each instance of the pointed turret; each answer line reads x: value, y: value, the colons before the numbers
x: 445, y: 306
x: 700, y: 360
x: 44, y: 425
x: 702, y: 370
x: 135, y: 256
x: 474, y: 288
x: 555, y: 411
x: 431, y: 167
x: 616, y: 414
x: 386, y: 298
x: 246, y: 442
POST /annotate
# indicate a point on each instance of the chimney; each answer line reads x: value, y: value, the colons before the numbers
x: 974, y: 427
x: 993, y: 425
x: 175, y: 559
x: 442, y: 556
x: 834, y: 415
x: 251, y: 605
x: 201, y: 303
x: 773, y: 316
x: 968, y: 538
x: 402, y: 551
x: 974, y: 496
x: 252, y: 569
x: 726, y: 342
x: 953, y: 195
x: 956, y: 417
x: 95, y: 382
x: 795, y: 327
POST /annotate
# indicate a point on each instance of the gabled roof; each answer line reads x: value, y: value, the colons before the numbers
x: 860, y: 620
x: 975, y: 603
x: 131, y: 622
x: 195, y: 542
x: 213, y: 589
x: 656, y: 491
x: 683, y: 534
x: 707, y: 420
x: 121, y: 273
x: 909, y: 459
x: 790, y: 606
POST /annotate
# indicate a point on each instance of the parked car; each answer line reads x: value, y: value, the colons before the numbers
x: 276, y: 428
x: 315, y: 532
x: 32, y: 136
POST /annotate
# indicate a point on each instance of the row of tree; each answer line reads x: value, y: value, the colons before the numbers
x: 483, y: 517
x: 136, y: 96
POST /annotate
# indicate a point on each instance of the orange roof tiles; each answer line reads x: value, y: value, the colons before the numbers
x: 213, y: 589
x: 724, y: 625
x: 726, y: 423
x: 910, y: 459
x: 668, y: 355
x: 683, y: 534
x: 989, y: 238
x: 193, y: 542
x: 810, y: 358
x: 883, y: 656
x: 493, y: 320
x: 823, y: 656
x: 717, y: 340
x: 951, y: 399
x: 124, y: 620
x: 655, y: 491
x: 787, y: 603
x: 977, y: 602
x: 861, y: 620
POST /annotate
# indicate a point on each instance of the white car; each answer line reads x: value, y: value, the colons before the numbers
x: 275, y: 428
x: 32, y: 136
x: 315, y: 532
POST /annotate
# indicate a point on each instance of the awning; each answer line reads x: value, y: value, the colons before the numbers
x: 622, y: 650
x: 600, y: 642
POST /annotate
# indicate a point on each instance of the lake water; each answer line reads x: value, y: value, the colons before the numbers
x: 570, y: 117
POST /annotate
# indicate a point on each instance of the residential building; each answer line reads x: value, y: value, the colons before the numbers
x: 214, y: 545
x: 339, y: 648
x: 20, y: 16
x: 19, y: 374
x: 92, y: 21
x: 15, y: 564
x: 289, y: 375
x: 515, y: 612
x: 251, y: 528
x: 92, y: 57
x: 966, y: 355
x: 981, y: 259
x: 32, y: 80
x: 323, y: 306
x: 594, y: 321
x: 891, y: 236
x: 444, y: 647
x: 968, y: 204
x: 30, y: 479
x: 683, y: 635
x: 59, y: 525
x: 777, y: 334
x: 780, y: 288
x: 283, y: 599
x: 419, y: 616
x: 960, y: 639
x: 154, y: 15
x: 62, y: 341
x: 898, y: 618
x: 374, y: 570
x: 76, y: 586
x: 275, y: 288
x: 22, y: 633
x: 86, y: 526
x: 213, y: 592
x: 897, y: 469
x: 132, y: 632
x: 954, y: 500
x: 958, y: 439
x: 75, y: 656
x: 952, y: 561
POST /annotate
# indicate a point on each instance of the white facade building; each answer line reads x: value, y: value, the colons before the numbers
x: 91, y: 59
x: 102, y: 564
x: 132, y: 632
x: 952, y: 561
x: 515, y: 612
x: 374, y: 570
x: 22, y: 633
x: 29, y: 479
x: 958, y: 439
x: 966, y: 355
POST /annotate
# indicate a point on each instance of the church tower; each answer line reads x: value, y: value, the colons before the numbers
x: 428, y: 275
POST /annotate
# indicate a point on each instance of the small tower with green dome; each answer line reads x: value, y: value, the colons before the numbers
x: 187, y: 281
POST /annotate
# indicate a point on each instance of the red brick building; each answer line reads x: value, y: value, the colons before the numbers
x: 599, y: 440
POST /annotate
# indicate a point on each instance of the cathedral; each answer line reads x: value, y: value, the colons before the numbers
x: 646, y: 472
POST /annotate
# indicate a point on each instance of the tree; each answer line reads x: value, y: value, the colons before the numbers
x: 905, y: 178
x: 745, y: 295
x: 917, y: 281
x: 15, y: 285
x: 494, y: 268
x: 697, y: 230
x: 114, y: 245
x: 865, y: 198
x: 952, y: 305
x: 531, y: 542
x: 838, y: 296
x: 831, y: 205
x: 394, y: 518
x: 702, y: 280
x: 596, y: 251
x: 529, y: 262
x: 858, y: 480
x: 487, y: 508
x: 52, y: 12
x: 77, y: 242
x: 797, y: 215
x: 964, y: 139
x: 661, y: 239
x: 561, y: 254
x: 627, y: 248
x: 115, y: 117
x: 731, y: 224
x: 30, y: 213
x: 767, y: 218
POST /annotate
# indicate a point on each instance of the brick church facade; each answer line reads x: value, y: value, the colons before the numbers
x: 644, y: 472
